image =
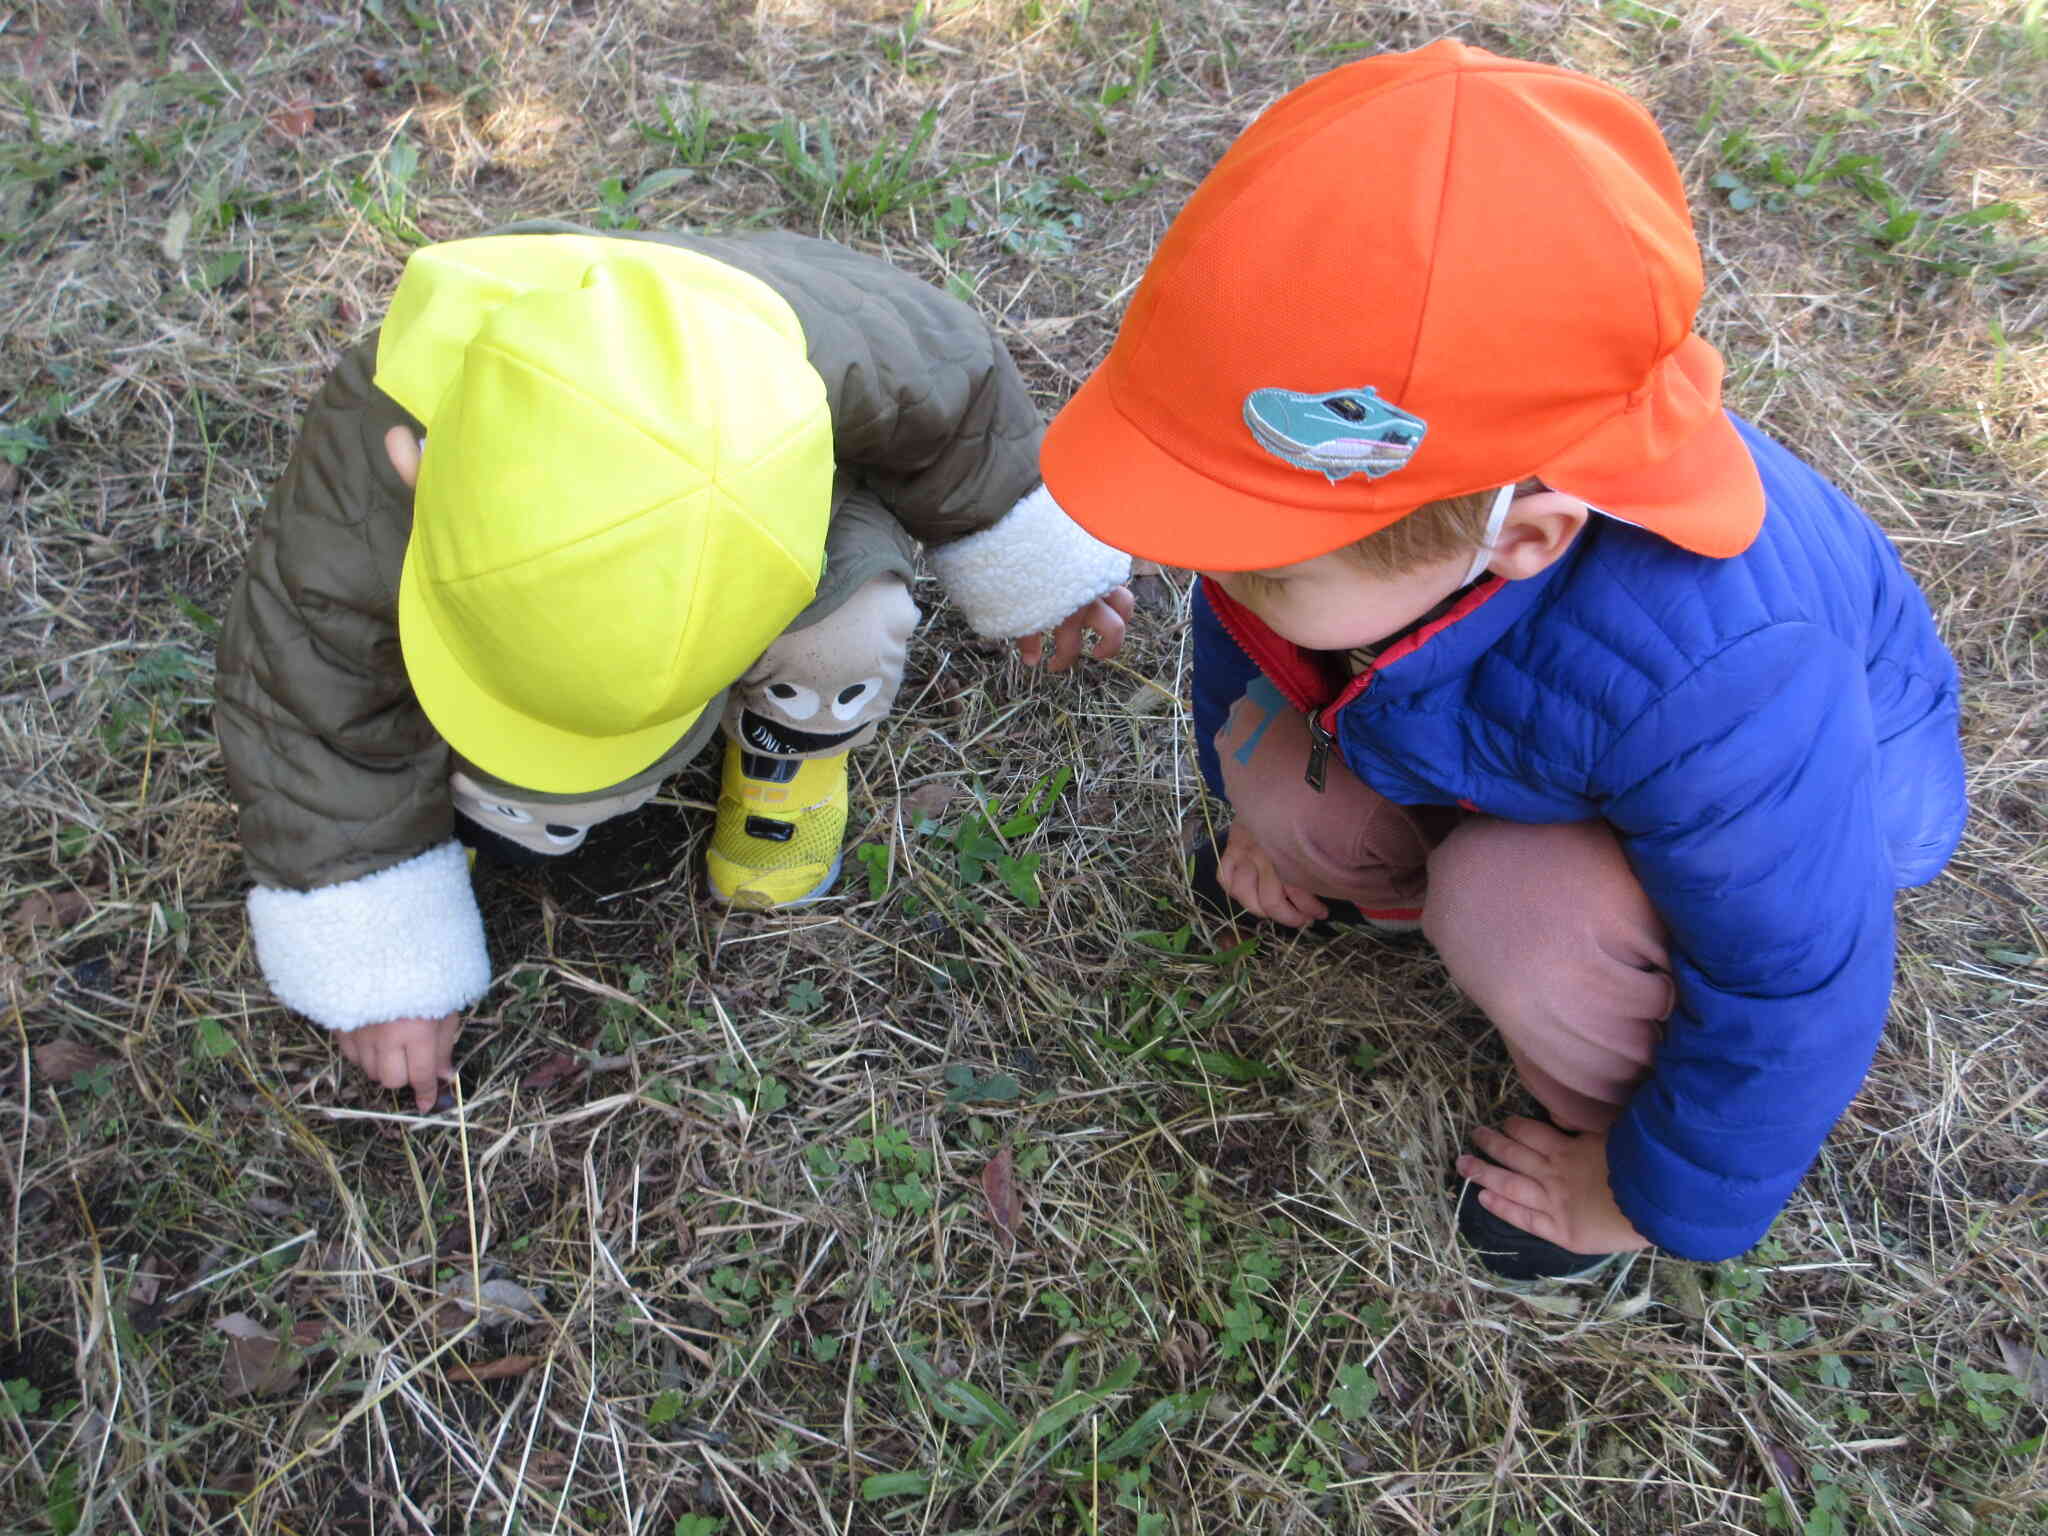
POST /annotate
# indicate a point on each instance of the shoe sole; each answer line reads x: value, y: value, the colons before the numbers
x: 815, y: 893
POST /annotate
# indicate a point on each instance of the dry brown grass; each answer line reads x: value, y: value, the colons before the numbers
x: 752, y: 1232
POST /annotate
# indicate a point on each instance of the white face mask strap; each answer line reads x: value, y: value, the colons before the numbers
x: 1502, y: 498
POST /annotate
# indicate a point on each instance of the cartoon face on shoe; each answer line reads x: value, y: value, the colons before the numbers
x: 516, y: 823
x: 1339, y: 433
x: 785, y: 716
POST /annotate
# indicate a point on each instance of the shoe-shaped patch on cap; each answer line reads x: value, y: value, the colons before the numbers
x: 1335, y: 433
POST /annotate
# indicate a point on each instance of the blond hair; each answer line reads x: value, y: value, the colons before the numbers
x: 1434, y: 531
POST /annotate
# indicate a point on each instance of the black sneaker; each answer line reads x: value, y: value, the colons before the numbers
x: 1209, y: 892
x: 1509, y: 1252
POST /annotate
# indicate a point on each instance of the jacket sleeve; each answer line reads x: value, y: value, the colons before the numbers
x: 1745, y: 799
x: 930, y: 411
x: 362, y: 909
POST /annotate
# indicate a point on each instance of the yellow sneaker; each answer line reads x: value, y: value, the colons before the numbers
x: 780, y: 826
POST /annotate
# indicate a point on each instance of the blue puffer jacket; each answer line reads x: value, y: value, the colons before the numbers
x: 1773, y: 737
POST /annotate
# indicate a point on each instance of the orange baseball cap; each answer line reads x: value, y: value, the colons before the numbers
x: 1417, y: 276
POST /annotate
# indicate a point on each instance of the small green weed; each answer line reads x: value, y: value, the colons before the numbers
x: 998, y: 1439
x: 900, y: 48
x: 879, y: 862
x: 754, y: 1093
x: 688, y: 135
x: 616, y: 202
x: 867, y: 190
x: 967, y: 1086
x: 898, y: 1168
x: 1140, y: 80
x: 384, y: 197
x: 1036, y: 220
x: 982, y: 841
x: 1158, y: 1018
x: 147, y: 705
x: 25, y: 436
x: 1895, y: 226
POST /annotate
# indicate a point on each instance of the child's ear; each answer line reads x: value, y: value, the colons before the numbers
x: 1539, y: 527
x: 403, y: 449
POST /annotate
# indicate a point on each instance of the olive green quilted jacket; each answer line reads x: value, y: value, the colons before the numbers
x: 361, y: 909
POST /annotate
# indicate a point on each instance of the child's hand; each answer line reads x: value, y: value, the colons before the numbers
x: 420, y: 1052
x: 1246, y: 872
x: 1553, y: 1184
x: 1106, y: 616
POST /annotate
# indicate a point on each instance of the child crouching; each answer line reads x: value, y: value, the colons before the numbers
x: 1507, y: 628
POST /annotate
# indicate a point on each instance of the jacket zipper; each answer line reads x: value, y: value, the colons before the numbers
x: 1283, y: 664
x: 1321, y: 738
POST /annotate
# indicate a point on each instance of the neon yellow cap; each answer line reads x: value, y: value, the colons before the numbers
x: 622, y: 501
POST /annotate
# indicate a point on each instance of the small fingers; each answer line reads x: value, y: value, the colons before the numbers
x: 1311, y: 906
x: 1511, y: 1152
x: 1065, y: 646
x: 1031, y: 649
x: 1238, y: 873
x: 1534, y: 1134
x: 1508, y: 1185
x: 386, y: 1067
x: 421, y: 1074
x: 445, y: 1034
x: 1276, y: 899
x: 1108, y: 623
x: 1530, y: 1219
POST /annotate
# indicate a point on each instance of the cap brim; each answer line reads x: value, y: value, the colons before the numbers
x: 504, y: 743
x: 1702, y: 491
x: 1117, y: 483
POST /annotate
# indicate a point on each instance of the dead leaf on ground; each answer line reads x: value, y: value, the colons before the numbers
x: 1185, y: 1351
x: 494, y: 1370
x: 999, y: 1187
x: 497, y: 1302
x: 1790, y: 1468
x: 294, y: 119
x: 2027, y: 1364
x: 1046, y: 327
x: 559, y: 1067
x: 928, y: 802
x: 256, y: 1365
x: 63, y: 1061
x: 51, y: 909
x: 147, y: 1283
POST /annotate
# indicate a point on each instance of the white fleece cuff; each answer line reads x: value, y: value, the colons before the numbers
x: 1024, y: 574
x: 404, y: 943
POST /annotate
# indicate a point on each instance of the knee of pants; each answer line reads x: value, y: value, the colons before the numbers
x: 823, y: 689
x: 1546, y: 922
